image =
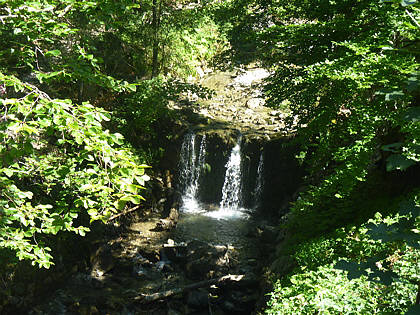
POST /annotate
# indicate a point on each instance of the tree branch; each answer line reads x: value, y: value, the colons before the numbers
x: 148, y: 298
x: 123, y: 213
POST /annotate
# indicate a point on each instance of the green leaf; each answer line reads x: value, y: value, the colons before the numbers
x: 413, y: 84
x: 53, y: 53
x: 395, y: 95
x: 412, y: 114
x: 406, y: 3
x: 393, y: 147
x: 413, y: 310
x: 8, y: 172
x: 120, y: 204
x: 398, y: 162
x: 136, y: 199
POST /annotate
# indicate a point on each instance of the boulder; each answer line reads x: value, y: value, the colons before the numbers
x: 198, y: 298
x: 102, y: 261
x: 255, y: 102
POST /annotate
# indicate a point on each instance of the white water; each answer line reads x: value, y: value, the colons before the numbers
x: 231, y: 191
x: 191, y: 168
x: 259, y: 182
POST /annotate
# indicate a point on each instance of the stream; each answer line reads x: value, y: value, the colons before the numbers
x: 219, y: 224
x: 211, y: 240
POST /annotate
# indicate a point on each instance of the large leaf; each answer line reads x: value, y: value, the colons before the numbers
x: 413, y: 310
x: 412, y: 114
x: 398, y: 162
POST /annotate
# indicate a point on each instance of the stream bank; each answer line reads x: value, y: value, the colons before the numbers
x: 166, y: 249
x: 144, y: 260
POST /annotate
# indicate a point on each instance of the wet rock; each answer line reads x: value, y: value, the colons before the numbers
x: 204, y: 260
x: 139, y: 271
x: 268, y: 234
x: 249, y: 281
x: 198, y: 269
x: 102, y: 261
x: 168, y: 223
x: 244, y: 301
x: 164, y: 225
x: 164, y: 265
x: 198, y: 298
x: 173, y: 312
x: 254, y: 103
x: 174, y: 252
x: 283, y: 265
x: 229, y: 307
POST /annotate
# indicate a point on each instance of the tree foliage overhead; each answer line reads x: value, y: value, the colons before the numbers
x: 59, y: 166
x: 349, y: 71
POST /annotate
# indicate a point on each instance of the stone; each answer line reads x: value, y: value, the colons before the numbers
x: 268, y: 234
x: 250, y: 76
x: 249, y: 111
x: 283, y: 265
x: 173, y: 312
x: 173, y: 215
x: 164, y: 225
x: 229, y: 307
x: 198, y: 298
x: 102, y: 261
x: 254, y: 103
x: 198, y: 269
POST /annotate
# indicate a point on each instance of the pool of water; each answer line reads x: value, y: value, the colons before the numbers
x: 212, y: 224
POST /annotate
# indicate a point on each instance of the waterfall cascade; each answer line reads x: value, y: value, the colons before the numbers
x: 231, y: 191
x: 192, y: 162
x: 259, y: 185
x: 191, y: 166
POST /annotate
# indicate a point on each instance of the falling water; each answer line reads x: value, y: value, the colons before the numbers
x: 231, y: 191
x: 259, y: 181
x: 191, y: 167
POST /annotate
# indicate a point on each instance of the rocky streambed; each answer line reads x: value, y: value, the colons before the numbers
x: 194, y: 263
x: 150, y: 270
x: 238, y: 103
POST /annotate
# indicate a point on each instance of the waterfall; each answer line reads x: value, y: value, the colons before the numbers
x: 231, y: 191
x: 191, y: 166
x: 259, y: 181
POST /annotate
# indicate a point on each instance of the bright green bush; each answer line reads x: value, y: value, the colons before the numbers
x: 194, y: 48
x: 323, y: 291
x: 57, y: 164
x: 328, y: 291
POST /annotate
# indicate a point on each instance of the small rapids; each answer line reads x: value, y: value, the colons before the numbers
x: 192, y: 165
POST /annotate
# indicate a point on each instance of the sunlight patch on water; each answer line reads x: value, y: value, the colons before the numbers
x: 191, y: 205
x: 229, y: 213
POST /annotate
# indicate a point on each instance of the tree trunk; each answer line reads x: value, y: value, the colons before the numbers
x: 148, y: 298
x: 155, y: 26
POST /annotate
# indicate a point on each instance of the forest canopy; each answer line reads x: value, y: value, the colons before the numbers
x: 84, y: 89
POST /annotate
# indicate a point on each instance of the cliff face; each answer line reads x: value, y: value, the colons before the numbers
x: 270, y: 173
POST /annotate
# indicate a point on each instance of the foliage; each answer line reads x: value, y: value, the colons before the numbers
x: 59, y: 166
x: 316, y: 287
x: 349, y: 72
x: 58, y: 162
x: 344, y: 92
x: 241, y: 21
x: 195, y: 47
x: 328, y: 291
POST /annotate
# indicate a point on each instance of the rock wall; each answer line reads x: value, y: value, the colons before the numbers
x: 282, y: 176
